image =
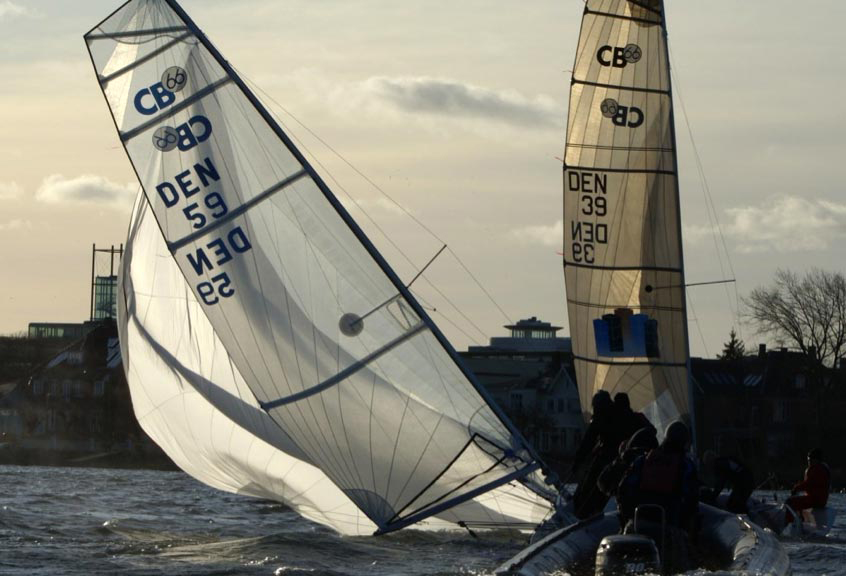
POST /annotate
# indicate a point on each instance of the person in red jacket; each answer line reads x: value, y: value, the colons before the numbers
x: 816, y: 485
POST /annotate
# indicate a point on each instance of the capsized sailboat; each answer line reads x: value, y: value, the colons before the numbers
x: 269, y: 348
x: 624, y: 277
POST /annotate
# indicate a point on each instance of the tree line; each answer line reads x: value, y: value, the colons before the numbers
x: 806, y: 312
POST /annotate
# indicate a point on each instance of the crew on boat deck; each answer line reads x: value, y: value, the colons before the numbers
x: 638, y: 445
x: 723, y: 471
x: 600, y: 445
x: 665, y: 477
x: 630, y: 421
x: 816, y: 485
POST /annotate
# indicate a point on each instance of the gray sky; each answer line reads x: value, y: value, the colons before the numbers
x: 457, y: 110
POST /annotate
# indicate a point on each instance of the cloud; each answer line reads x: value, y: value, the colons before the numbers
x: 15, y: 225
x: 86, y: 189
x: 544, y: 235
x: 454, y: 99
x: 11, y: 9
x: 9, y: 190
x: 787, y: 224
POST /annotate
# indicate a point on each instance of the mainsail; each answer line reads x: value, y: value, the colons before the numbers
x: 622, y: 234
x: 269, y: 348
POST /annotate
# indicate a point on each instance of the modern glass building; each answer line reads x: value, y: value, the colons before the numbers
x: 105, y: 298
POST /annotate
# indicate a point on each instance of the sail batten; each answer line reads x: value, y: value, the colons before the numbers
x: 289, y: 325
x: 622, y: 235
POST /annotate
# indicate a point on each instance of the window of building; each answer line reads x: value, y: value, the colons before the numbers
x: 67, y: 387
x: 99, y: 388
x: 779, y: 411
x: 105, y: 297
x: 560, y: 405
x: 516, y: 401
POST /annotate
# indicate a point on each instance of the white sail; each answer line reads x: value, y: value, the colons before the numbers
x: 622, y: 234
x: 260, y: 306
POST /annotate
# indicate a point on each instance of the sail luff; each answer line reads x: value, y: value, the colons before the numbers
x: 686, y: 327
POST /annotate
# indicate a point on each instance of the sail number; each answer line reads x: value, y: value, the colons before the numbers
x: 588, y: 229
x: 201, y: 206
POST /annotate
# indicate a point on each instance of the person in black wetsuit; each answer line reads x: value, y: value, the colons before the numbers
x: 666, y: 477
x: 723, y: 472
x: 629, y: 421
x: 600, y: 447
x: 638, y: 445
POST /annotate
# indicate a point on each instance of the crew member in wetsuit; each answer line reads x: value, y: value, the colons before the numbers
x: 638, y: 445
x: 600, y: 445
x: 816, y: 485
x: 665, y: 477
x: 630, y: 421
x: 723, y: 471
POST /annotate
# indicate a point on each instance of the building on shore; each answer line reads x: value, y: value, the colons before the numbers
x: 767, y: 410
x: 530, y: 376
x: 64, y: 398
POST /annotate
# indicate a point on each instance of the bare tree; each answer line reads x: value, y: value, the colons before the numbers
x: 807, y: 312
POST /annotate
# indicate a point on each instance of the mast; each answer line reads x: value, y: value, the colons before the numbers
x: 690, y: 395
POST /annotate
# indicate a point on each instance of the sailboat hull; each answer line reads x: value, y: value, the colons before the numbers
x: 728, y: 542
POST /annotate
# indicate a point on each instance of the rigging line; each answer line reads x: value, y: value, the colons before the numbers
x: 387, y: 237
x: 385, y: 194
x: 712, y: 212
x: 709, y: 283
x: 698, y: 324
x: 399, y: 250
x: 426, y: 266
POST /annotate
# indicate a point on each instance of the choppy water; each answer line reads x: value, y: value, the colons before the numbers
x: 56, y: 521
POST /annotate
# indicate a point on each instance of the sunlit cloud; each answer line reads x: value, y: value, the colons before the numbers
x: 86, y: 189
x: 787, y: 224
x: 9, y: 190
x: 13, y: 225
x: 540, y: 235
x: 9, y: 9
x: 455, y: 99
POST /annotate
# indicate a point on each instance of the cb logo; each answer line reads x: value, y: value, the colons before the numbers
x: 619, y: 57
x: 630, y: 116
x: 185, y: 136
x: 162, y: 94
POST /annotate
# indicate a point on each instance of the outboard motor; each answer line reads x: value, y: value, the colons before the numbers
x: 624, y: 554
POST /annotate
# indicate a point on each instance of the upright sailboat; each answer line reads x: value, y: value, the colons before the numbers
x: 622, y: 234
x: 625, y: 282
x: 269, y: 348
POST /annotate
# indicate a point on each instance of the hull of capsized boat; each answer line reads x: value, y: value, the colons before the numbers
x: 733, y: 542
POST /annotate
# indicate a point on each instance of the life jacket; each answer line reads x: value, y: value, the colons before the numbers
x: 661, y: 473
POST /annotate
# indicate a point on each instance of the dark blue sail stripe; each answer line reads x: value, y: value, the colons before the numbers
x: 176, y: 245
x: 163, y: 48
x: 175, y: 109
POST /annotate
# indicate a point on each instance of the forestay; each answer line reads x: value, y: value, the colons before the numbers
x: 269, y: 348
x: 622, y: 235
